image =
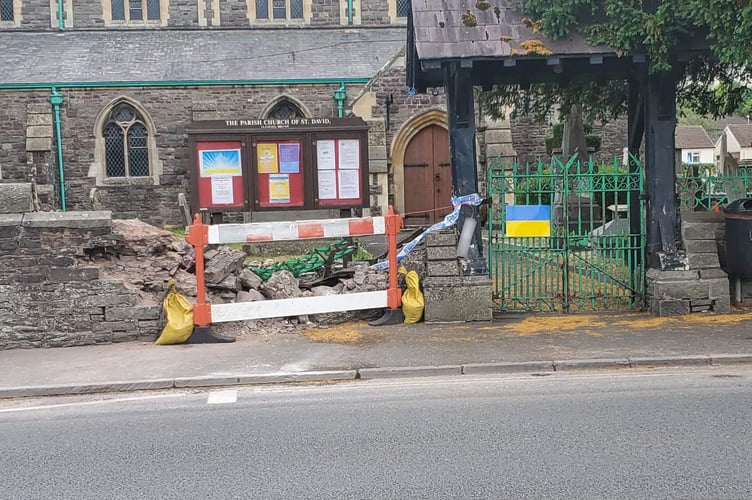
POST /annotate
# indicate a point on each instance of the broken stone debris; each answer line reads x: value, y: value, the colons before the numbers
x: 146, y: 258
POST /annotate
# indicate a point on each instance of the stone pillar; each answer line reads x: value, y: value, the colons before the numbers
x: 450, y: 297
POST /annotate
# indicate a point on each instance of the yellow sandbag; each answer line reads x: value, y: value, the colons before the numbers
x: 413, y: 301
x: 179, y: 313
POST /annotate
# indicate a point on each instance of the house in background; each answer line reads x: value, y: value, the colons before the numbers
x: 734, y: 148
x: 693, y: 145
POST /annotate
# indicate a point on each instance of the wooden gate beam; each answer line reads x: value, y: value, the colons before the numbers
x: 459, y: 91
x: 660, y: 125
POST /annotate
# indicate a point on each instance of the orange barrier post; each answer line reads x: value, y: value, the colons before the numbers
x: 393, y: 225
x: 198, y: 236
x: 393, y: 314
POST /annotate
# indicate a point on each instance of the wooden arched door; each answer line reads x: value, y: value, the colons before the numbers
x: 428, y: 177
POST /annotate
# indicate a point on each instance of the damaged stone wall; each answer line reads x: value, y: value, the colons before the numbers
x: 51, y: 297
x: 81, y: 278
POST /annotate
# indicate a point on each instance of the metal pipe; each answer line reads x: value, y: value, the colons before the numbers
x: 349, y: 11
x: 340, y: 95
x: 738, y: 290
x: 179, y: 83
x: 60, y: 23
x: 56, y: 100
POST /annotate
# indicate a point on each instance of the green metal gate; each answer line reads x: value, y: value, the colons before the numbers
x: 591, y: 256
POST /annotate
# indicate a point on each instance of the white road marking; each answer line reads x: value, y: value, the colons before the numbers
x: 222, y: 397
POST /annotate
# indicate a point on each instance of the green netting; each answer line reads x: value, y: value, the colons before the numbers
x: 313, y: 261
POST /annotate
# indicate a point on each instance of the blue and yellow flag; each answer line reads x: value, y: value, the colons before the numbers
x: 528, y: 220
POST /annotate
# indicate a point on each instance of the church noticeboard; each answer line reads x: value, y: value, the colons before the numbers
x: 256, y: 165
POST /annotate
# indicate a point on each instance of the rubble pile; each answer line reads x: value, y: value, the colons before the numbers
x: 146, y: 258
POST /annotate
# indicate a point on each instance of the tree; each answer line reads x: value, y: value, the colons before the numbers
x: 713, y: 82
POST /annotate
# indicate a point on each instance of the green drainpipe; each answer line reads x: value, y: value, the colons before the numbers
x: 56, y: 100
x: 60, y: 24
x: 340, y: 95
x: 349, y: 11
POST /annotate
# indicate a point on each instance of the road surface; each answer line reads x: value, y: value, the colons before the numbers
x: 649, y: 434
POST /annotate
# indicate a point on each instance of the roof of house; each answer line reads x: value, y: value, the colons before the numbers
x: 692, y: 137
x: 196, y: 55
x: 742, y: 134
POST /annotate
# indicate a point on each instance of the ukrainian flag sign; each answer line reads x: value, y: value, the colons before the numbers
x: 528, y: 220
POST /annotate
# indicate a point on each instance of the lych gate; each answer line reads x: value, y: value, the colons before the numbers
x: 459, y: 45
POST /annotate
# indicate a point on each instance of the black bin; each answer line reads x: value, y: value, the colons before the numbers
x: 739, y: 238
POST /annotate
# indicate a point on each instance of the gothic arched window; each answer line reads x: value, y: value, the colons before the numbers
x: 284, y: 110
x: 126, y: 143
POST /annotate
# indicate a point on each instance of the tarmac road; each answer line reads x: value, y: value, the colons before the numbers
x: 669, y: 433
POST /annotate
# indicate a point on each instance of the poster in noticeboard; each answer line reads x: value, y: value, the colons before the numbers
x: 220, y: 180
x: 279, y: 174
x: 338, y: 171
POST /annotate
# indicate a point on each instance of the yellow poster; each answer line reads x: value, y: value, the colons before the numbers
x: 266, y: 155
x: 279, y: 188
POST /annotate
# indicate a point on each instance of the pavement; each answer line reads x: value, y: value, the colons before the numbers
x: 535, y: 344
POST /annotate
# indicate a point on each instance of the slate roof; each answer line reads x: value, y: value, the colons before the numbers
x: 692, y: 137
x: 162, y: 55
x: 743, y: 134
x: 442, y: 32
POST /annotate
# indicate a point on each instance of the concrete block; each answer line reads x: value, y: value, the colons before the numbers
x: 376, y: 166
x: 730, y: 359
x: 590, y: 364
x: 38, y: 144
x: 11, y: 220
x: 377, y: 152
x: 72, y: 220
x: 646, y: 362
x: 520, y: 367
x: 718, y: 288
x: 498, y: 136
x: 503, y: 150
x: 410, y: 371
x: 664, y: 307
x: 311, y: 376
x: 703, y: 260
x: 721, y: 305
x: 680, y: 289
x: 15, y: 198
x: 208, y: 381
x: 441, y: 253
x: 701, y: 246
x: 657, y: 274
x: 707, y: 274
x: 442, y: 239
x: 39, y: 119
x: 39, y: 131
x: 699, y: 230
x: 458, y: 302
x: 443, y: 268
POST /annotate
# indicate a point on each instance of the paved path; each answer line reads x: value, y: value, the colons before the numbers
x: 357, y: 350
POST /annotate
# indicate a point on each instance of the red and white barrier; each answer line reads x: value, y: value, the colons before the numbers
x: 200, y: 235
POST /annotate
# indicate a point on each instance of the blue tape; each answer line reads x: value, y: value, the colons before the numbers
x: 449, y: 221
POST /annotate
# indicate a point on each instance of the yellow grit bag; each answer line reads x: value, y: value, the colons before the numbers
x: 413, y: 301
x: 179, y: 313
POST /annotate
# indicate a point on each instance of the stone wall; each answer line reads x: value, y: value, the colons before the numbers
x: 50, y: 297
x: 703, y: 286
x: 170, y: 110
x: 89, y: 14
x: 35, y: 14
x: 529, y: 140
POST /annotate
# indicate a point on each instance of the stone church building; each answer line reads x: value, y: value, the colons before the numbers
x: 98, y: 98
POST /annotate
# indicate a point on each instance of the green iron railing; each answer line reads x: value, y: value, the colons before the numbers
x: 593, y: 258
x: 702, y: 189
